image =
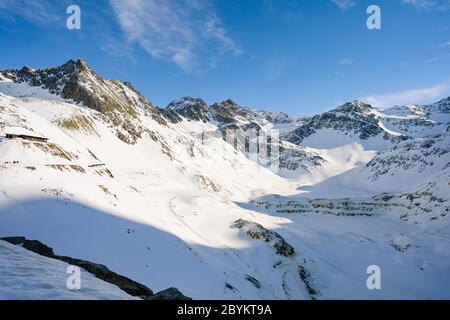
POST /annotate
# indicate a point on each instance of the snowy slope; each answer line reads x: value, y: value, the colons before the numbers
x: 170, y: 200
x: 153, y: 201
x: 25, y: 275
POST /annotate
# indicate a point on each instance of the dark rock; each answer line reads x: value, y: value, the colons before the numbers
x: 131, y: 287
x: 258, y: 232
x: 169, y: 294
x: 305, y: 276
x: 229, y: 286
x: 253, y: 281
x: 32, y: 245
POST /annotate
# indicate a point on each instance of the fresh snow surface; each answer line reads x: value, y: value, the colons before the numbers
x: 24, y: 90
x: 25, y: 275
x: 161, y: 212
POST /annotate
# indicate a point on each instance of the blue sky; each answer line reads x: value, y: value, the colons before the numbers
x: 297, y: 56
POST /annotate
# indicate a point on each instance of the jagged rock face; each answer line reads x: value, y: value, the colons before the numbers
x: 353, y: 117
x: 417, y: 155
x: 171, y: 116
x: 442, y: 106
x: 290, y: 157
x: 118, y: 102
x: 188, y: 103
x: 190, y: 108
x: 236, y: 120
x: 274, y: 117
x: 195, y: 109
x: 228, y: 112
x: 222, y: 113
x: 293, y: 157
x: 412, y: 127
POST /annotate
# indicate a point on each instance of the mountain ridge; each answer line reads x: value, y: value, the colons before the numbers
x: 119, y: 102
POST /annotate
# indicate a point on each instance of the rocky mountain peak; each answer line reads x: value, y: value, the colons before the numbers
x: 187, y: 102
x: 229, y: 112
x: 224, y: 113
x: 190, y: 108
x: 75, y: 67
x: 442, y: 106
x: 356, y: 117
x: 230, y: 102
x: 226, y: 104
x: 276, y: 117
x: 26, y: 70
x: 74, y: 80
x: 52, y: 79
x: 354, y: 107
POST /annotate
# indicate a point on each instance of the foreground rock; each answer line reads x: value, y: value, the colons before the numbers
x: 131, y: 287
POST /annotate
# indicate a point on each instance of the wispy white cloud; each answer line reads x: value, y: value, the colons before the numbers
x: 414, y: 96
x: 344, y: 4
x: 445, y: 44
x: 177, y: 30
x: 214, y: 30
x: 420, y: 4
x: 40, y: 12
x: 428, y: 4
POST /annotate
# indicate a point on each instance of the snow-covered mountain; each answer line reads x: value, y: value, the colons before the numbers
x: 118, y: 102
x: 215, y: 119
x: 353, y: 121
x: 93, y: 169
x: 226, y: 113
x: 418, y: 121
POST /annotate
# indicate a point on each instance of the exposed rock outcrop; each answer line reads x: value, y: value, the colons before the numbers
x: 258, y: 232
x: 353, y: 117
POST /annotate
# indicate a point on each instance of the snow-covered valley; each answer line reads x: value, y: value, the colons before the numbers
x: 139, y: 189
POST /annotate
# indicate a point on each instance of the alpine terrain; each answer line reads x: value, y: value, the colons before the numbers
x: 184, y: 197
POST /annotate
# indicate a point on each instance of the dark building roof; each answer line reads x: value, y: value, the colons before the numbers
x: 25, y: 137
